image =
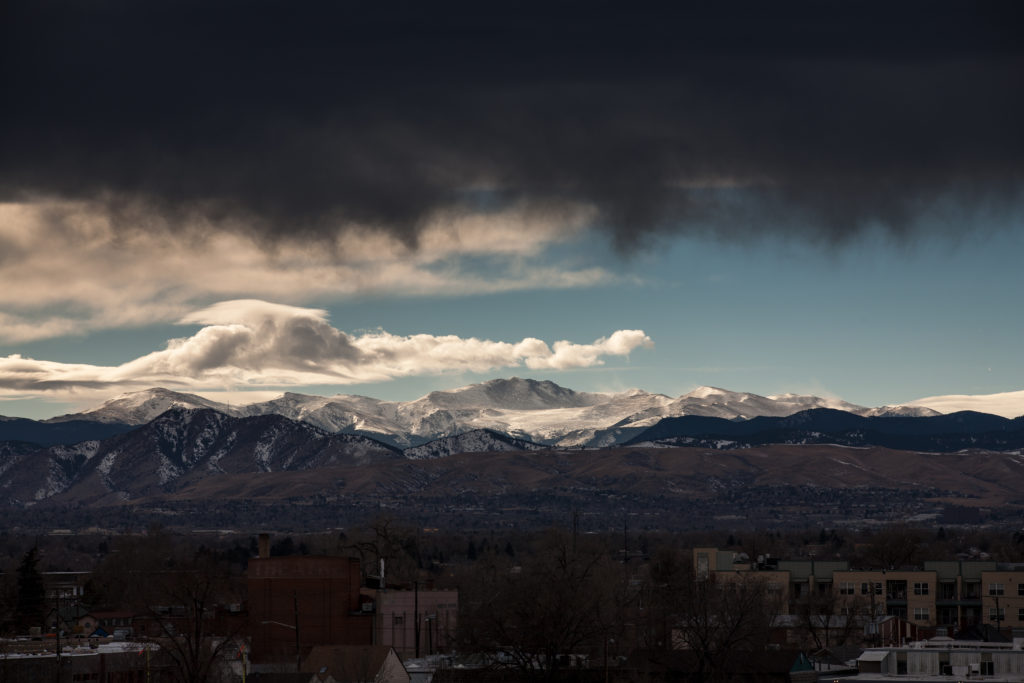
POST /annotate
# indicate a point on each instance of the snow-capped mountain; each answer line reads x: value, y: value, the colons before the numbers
x: 901, y: 411
x: 537, y: 411
x: 140, y: 407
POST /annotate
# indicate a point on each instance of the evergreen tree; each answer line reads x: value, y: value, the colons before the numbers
x: 30, y: 610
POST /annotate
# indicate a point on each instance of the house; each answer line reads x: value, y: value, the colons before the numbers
x: 354, y: 664
x: 65, y: 586
x: 117, y: 621
x: 72, y: 620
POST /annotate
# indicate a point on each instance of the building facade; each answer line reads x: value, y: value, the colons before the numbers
x: 415, y: 623
x: 298, y: 602
x: 954, y: 595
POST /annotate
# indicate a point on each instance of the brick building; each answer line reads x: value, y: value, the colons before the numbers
x: 298, y: 602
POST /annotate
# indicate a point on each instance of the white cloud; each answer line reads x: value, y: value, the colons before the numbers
x: 253, y: 343
x: 1008, y: 404
x: 67, y: 270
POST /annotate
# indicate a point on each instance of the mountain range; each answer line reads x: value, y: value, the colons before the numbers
x: 937, y: 433
x: 157, y: 445
x: 538, y: 411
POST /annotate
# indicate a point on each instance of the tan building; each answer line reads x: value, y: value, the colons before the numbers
x: 909, y: 595
x: 1002, y: 597
x: 951, y: 594
x: 793, y: 581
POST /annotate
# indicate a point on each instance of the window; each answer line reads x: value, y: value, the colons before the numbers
x: 921, y: 589
x: 996, y: 614
x: 921, y: 614
x: 996, y: 589
x: 1020, y: 614
x: 1020, y: 589
x: 987, y: 669
x: 865, y: 588
x: 398, y: 620
x: 846, y: 588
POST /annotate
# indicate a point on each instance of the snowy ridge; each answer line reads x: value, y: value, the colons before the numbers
x: 901, y: 411
x: 140, y: 407
x: 537, y: 411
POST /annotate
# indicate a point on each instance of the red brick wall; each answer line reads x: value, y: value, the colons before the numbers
x: 329, y: 606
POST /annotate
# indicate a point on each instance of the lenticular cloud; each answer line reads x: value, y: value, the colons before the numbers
x: 257, y: 343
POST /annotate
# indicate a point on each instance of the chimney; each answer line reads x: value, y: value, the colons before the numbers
x: 264, y: 545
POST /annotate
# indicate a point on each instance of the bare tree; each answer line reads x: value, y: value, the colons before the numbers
x: 186, y: 610
x: 827, y: 619
x: 669, y: 575
x: 896, y: 545
x: 181, y: 592
x: 718, y: 620
x: 388, y: 540
x: 566, y: 599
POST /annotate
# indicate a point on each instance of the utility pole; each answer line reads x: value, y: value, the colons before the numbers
x: 298, y: 652
x: 58, y: 635
x: 625, y: 538
x: 999, y: 617
x: 416, y: 615
x: 575, y: 527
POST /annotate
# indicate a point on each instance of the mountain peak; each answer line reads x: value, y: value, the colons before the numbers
x: 514, y: 393
x: 707, y: 392
x: 140, y: 407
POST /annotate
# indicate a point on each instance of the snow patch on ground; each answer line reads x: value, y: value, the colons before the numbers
x: 107, y: 463
x: 166, y: 471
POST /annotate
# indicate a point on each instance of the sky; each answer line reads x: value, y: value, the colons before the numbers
x: 242, y: 198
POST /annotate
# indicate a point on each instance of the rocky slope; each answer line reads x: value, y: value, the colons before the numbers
x: 179, y: 447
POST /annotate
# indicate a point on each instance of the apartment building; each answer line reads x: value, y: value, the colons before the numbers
x: 951, y: 594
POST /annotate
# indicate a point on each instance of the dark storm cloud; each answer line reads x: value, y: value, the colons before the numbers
x: 817, y: 118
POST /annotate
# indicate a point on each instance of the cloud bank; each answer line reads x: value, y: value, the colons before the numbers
x: 81, y: 273
x: 253, y: 343
x: 1008, y: 404
x: 814, y: 120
